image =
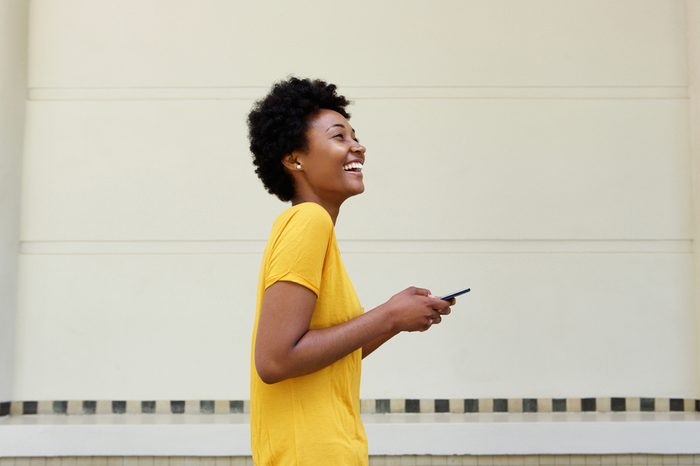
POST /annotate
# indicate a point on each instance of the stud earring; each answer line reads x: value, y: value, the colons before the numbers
x: 298, y: 166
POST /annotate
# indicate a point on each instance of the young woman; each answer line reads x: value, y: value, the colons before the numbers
x: 310, y: 331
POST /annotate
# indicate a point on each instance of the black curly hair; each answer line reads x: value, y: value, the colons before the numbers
x: 277, y: 126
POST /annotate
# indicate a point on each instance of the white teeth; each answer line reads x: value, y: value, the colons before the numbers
x: 352, y: 166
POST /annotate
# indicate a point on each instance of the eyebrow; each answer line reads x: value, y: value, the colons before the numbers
x: 339, y: 125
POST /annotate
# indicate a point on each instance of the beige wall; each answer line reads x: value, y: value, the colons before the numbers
x: 535, y: 151
x: 693, y: 25
x: 13, y: 32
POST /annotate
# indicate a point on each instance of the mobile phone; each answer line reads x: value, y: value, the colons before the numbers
x: 455, y: 294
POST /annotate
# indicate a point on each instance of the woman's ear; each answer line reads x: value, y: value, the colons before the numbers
x: 291, y: 162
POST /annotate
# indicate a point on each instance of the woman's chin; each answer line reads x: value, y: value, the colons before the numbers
x: 360, y: 189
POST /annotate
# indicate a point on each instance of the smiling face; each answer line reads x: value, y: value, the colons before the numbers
x: 330, y: 169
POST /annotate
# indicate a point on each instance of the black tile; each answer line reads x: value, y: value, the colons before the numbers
x: 236, y: 406
x: 412, y: 406
x: 647, y: 404
x: 29, y: 407
x: 177, y: 407
x: 500, y: 405
x: 529, y: 405
x: 677, y: 404
x: 697, y: 405
x: 5, y: 408
x: 118, y: 407
x: 588, y: 404
x: 618, y: 404
x: 442, y: 406
x: 206, y: 406
x: 471, y: 405
x: 559, y: 405
x: 60, y: 407
x: 89, y: 407
x: 148, y: 407
x: 382, y: 406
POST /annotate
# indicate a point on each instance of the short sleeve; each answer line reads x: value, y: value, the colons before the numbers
x: 299, y: 248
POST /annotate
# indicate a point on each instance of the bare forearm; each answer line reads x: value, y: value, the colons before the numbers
x: 319, y: 348
x: 368, y: 348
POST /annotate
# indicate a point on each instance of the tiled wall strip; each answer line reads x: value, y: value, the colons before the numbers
x: 469, y: 405
x: 414, y: 460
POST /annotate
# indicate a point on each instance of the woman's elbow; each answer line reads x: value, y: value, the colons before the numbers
x: 269, y: 372
x: 268, y: 377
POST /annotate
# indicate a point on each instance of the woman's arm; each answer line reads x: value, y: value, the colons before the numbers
x: 285, y: 346
x: 368, y: 348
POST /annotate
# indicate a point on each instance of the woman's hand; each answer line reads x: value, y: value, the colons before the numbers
x: 416, y: 309
x: 413, y: 309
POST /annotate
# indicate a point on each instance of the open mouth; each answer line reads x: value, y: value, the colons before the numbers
x: 353, y: 167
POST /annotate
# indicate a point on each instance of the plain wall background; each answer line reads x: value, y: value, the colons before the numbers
x: 693, y: 24
x: 13, y: 83
x: 536, y: 151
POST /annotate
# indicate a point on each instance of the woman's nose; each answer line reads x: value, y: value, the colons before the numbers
x: 359, y: 148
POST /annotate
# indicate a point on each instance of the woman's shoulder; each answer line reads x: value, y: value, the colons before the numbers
x: 305, y: 215
x: 308, y: 210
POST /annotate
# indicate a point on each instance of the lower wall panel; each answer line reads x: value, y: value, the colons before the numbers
x: 537, y: 324
x: 177, y: 326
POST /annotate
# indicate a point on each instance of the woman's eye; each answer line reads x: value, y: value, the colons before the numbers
x: 340, y: 136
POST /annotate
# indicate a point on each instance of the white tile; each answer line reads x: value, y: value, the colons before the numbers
x: 397, y: 405
x: 539, y: 42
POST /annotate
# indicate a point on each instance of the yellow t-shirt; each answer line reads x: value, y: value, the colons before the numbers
x: 313, y: 419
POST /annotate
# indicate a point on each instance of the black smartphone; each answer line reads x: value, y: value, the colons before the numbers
x: 455, y: 294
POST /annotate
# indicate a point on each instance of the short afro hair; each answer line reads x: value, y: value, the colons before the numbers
x: 277, y: 126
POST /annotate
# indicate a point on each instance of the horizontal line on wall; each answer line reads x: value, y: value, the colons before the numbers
x: 464, y: 246
x: 361, y: 93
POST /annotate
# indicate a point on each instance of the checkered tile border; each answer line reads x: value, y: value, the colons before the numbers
x: 469, y: 405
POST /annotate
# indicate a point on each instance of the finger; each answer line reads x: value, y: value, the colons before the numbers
x: 437, y: 320
x: 437, y: 303
x: 451, y: 301
x: 421, y: 291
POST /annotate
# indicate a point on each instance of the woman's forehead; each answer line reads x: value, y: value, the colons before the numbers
x: 325, y: 119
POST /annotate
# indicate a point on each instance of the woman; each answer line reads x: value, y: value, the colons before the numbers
x: 310, y: 330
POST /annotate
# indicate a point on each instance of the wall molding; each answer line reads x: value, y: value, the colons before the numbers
x: 365, y: 93
x: 369, y: 246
